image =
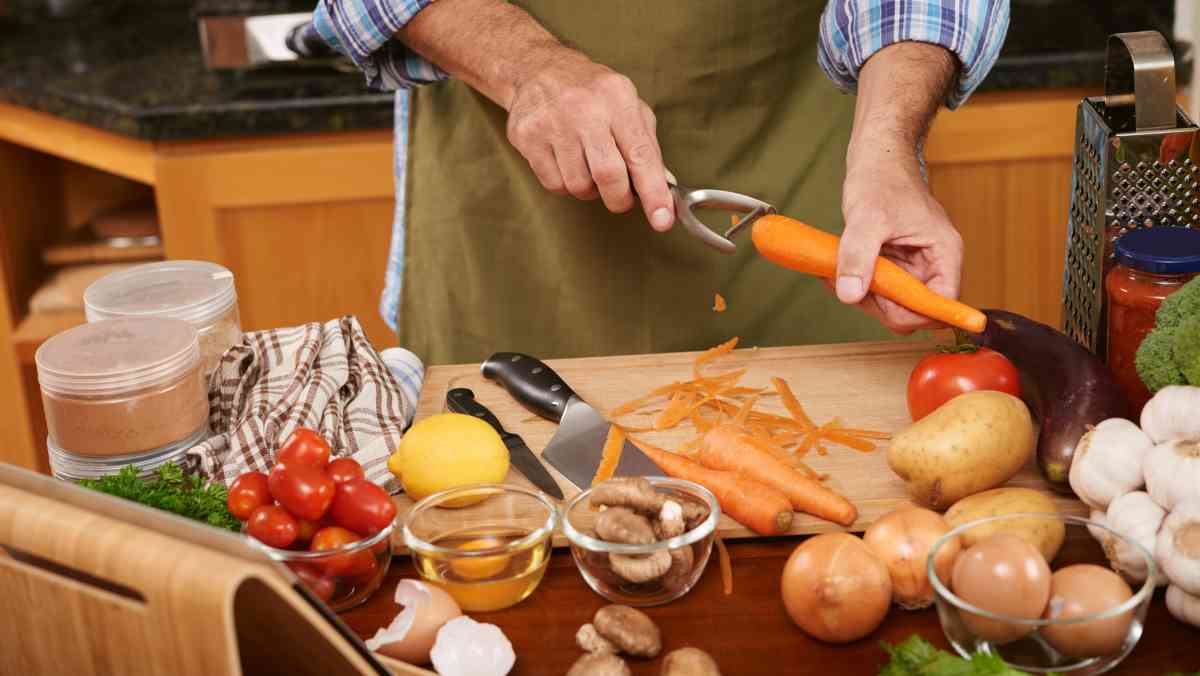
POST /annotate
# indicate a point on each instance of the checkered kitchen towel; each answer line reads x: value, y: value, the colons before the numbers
x: 326, y: 377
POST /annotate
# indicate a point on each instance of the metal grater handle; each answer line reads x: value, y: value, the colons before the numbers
x: 1140, y: 72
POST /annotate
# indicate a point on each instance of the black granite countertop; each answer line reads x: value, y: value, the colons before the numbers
x: 139, y: 71
x: 141, y: 74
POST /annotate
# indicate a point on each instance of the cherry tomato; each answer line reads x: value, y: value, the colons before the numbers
x: 248, y: 493
x: 362, y: 507
x: 304, y: 447
x: 344, y: 469
x: 303, y: 490
x: 308, y: 529
x: 315, y: 579
x: 272, y: 526
x: 350, y: 564
x: 939, y: 377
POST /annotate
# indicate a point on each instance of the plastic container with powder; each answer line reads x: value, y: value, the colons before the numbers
x: 123, y: 387
x: 197, y: 292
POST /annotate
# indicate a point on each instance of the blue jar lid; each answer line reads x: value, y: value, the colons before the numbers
x: 1163, y: 250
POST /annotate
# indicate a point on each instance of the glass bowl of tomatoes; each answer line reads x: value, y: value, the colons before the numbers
x: 321, y: 518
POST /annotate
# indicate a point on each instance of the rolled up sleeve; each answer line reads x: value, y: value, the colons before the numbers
x: 364, y: 30
x: 853, y: 30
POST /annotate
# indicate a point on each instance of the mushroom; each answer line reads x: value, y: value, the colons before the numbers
x: 639, y: 568
x: 623, y: 525
x: 629, y: 629
x: 670, y: 521
x: 682, y: 560
x: 590, y: 640
x: 634, y: 492
x: 599, y: 664
x: 689, y: 662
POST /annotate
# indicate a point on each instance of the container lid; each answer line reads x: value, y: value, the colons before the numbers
x: 194, y: 291
x: 117, y: 355
x: 1163, y: 250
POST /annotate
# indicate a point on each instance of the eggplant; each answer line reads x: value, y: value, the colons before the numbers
x: 1071, y: 388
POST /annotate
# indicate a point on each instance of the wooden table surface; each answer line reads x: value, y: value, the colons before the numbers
x: 747, y: 632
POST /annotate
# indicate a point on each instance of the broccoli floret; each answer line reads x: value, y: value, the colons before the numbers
x: 1185, y: 348
x: 1155, y: 360
x: 1179, y: 306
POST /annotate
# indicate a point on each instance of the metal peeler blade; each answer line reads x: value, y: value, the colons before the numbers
x: 687, y: 199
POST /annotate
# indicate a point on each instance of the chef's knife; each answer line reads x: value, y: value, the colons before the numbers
x: 245, y: 42
x: 462, y: 400
x: 578, y: 445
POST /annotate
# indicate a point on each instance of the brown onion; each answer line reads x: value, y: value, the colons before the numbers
x: 902, y: 539
x: 835, y: 589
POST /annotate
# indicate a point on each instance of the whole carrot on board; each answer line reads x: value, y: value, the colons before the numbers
x: 729, y: 448
x: 756, y: 506
x: 798, y: 246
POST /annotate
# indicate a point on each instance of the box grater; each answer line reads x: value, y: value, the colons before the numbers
x: 1137, y: 165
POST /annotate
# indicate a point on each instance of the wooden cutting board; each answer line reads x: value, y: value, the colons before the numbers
x: 861, y: 383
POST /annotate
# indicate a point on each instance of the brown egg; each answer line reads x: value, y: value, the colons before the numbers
x: 1005, y: 575
x: 1086, y: 589
x: 411, y: 635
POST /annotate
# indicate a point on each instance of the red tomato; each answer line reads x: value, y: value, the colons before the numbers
x: 314, y: 578
x: 304, y: 447
x: 272, y: 526
x: 307, y: 529
x: 362, y: 507
x: 344, y: 469
x: 352, y: 564
x: 942, y: 376
x: 248, y: 493
x: 303, y: 490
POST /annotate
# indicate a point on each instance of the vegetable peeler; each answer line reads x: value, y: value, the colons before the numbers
x: 687, y: 199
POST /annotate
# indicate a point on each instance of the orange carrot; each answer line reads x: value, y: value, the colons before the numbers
x: 610, y: 457
x: 756, y: 506
x: 801, y: 247
x: 726, y: 566
x: 730, y: 449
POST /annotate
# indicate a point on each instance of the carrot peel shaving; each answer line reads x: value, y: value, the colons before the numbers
x: 611, y: 456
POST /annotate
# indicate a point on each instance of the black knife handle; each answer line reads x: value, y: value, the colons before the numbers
x: 530, y: 382
x: 462, y: 400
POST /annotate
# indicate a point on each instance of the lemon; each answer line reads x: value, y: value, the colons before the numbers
x: 448, y: 450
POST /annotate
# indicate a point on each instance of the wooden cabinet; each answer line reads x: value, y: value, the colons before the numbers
x: 304, y: 221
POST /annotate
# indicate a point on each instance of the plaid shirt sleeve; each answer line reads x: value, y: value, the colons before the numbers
x: 853, y: 30
x: 363, y: 30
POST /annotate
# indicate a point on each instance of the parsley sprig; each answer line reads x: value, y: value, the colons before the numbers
x: 171, y: 490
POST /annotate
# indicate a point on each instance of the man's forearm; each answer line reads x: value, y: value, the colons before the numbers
x: 899, y: 91
x: 489, y: 44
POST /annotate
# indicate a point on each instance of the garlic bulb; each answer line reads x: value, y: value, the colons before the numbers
x: 1172, y: 471
x: 1102, y: 536
x: 1183, y: 606
x: 1178, y: 547
x: 1108, y: 462
x: 1171, y: 414
x: 1137, y: 517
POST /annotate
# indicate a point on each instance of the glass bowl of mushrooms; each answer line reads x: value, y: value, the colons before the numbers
x: 641, y: 541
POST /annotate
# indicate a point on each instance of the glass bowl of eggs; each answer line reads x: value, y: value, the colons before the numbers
x: 1014, y: 592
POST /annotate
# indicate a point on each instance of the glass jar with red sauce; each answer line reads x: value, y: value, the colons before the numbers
x: 1152, y: 263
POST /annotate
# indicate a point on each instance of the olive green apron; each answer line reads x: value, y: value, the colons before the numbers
x: 494, y: 262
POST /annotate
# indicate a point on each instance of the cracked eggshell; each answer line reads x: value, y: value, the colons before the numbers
x: 465, y: 647
x: 411, y: 635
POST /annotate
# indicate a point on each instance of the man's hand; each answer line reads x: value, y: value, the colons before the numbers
x: 585, y: 132
x: 580, y: 125
x: 885, y: 200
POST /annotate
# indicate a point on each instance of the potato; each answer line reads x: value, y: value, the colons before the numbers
x: 1045, y: 534
x: 975, y: 441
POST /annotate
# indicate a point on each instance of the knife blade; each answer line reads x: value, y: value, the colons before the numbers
x: 462, y: 400
x: 576, y: 448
